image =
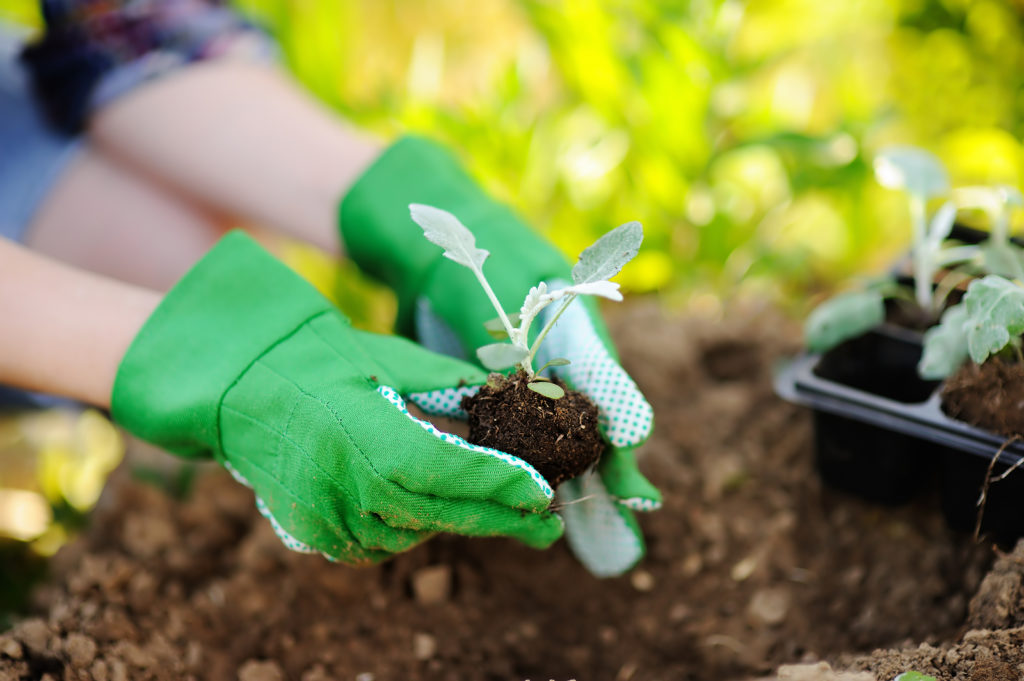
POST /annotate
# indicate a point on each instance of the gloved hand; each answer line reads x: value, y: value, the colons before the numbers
x: 245, y: 362
x: 441, y: 304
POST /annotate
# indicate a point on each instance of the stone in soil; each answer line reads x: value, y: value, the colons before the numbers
x: 559, y: 438
x: 990, y: 396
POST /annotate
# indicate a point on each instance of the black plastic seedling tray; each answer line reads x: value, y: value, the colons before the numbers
x: 880, y: 432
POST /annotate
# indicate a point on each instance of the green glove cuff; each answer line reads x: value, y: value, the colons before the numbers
x: 170, y: 358
x: 381, y: 237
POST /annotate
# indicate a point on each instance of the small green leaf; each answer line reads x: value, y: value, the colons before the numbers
x: 552, y: 390
x: 914, y: 170
x: 496, y: 329
x: 557, y: 362
x: 447, y: 231
x: 1003, y: 259
x: 995, y: 311
x: 945, y: 345
x: 846, y: 316
x: 501, y: 355
x: 603, y: 259
x: 914, y: 676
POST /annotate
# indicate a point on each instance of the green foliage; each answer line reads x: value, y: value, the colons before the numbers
x: 739, y: 130
x: 547, y: 389
x: 845, y: 316
x: 603, y: 259
x: 916, y: 171
x: 945, y: 345
x: 995, y: 316
x: 914, y: 676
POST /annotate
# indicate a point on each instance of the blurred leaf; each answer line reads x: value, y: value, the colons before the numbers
x: 845, y: 316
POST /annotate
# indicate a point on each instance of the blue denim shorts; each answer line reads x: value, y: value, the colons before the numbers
x: 32, y: 155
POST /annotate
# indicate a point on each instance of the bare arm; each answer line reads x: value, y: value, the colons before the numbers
x: 242, y: 138
x: 64, y: 330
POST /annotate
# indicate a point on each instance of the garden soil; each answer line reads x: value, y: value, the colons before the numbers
x: 752, y: 564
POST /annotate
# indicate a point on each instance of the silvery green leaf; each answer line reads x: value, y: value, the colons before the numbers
x: 552, y: 390
x: 496, y: 328
x: 557, y: 362
x: 444, y: 229
x: 1003, y: 259
x: 992, y: 200
x: 995, y: 311
x: 501, y: 355
x: 605, y: 289
x: 606, y: 257
x: 914, y: 170
x: 945, y: 345
x: 845, y: 316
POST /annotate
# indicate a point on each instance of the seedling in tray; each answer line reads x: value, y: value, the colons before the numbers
x: 921, y: 177
x: 525, y: 413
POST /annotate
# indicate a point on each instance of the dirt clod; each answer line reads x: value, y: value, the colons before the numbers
x: 424, y: 646
x: 80, y: 649
x: 432, y: 585
x: 260, y: 670
x: 990, y: 395
x: 558, y: 437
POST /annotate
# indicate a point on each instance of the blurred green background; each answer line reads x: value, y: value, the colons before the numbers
x: 739, y: 133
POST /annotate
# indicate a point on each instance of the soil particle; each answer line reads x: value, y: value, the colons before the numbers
x: 432, y: 585
x: 424, y: 646
x: 80, y: 649
x: 260, y: 670
x: 558, y: 437
x: 990, y: 395
x: 820, y: 671
x: 10, y: 648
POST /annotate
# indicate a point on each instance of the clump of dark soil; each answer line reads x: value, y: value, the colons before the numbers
x: 751, y: 564
x: 559, y: 438
x: 991, y: 649
x: 990, y: 395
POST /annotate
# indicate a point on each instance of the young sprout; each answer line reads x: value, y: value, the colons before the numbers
x: 922, y: 176
x: 597, y: 264
x: 989, y: 321
x: 999, y: 255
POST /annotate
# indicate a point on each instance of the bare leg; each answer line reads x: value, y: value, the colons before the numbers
x: 103, y: 218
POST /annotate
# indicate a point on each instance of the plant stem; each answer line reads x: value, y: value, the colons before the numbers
x: 494, y: 301
x: 922, y: 265
x: 1000, y: 227
x: 547, y: 327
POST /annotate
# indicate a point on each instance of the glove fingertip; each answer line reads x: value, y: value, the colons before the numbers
x: 550, y: 529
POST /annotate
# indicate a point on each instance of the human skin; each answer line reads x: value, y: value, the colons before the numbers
x: 66, y: 329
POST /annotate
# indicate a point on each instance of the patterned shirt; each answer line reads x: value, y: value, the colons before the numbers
x: 94, y: 51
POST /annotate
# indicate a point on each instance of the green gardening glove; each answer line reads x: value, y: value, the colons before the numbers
x: 245, y: 362
x: 442, y: 305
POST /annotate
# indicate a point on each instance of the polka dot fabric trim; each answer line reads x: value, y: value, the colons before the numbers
x: 392, y: 396
x: 444, y: 402
x: 597, y: 533
x: 625, y: 416
x: 288, y: 540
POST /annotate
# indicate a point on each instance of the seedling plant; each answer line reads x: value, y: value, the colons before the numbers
x: 939, y: 264
x: 597, y: 264
x: 526, y: 413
